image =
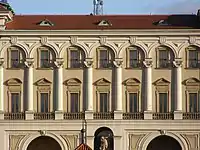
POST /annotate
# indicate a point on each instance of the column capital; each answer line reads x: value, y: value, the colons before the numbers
x: 29, y: 62
x: 177, y: 62
x: 1, y: 62
x: 118, y: 62
x: 148, y: 63
x: 88, y: 62
x: 58, y: 63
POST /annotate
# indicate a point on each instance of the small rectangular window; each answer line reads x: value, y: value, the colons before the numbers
x: 74, y: 102
x: 44, y: 99
x: 134, y: 59
x: 104, y: 59
x: 163, y: 102
x: 15, y: 102
x: 104, y: 102
x: 193, y: 102
x: 164, y: 59
x: 15, y: 59
x: 44, y: 58
x: 193, y: 59
x: 75, y: 61
x: 133, y: 102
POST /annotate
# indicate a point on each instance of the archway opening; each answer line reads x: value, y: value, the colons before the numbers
x: 164, y: 143
x: 44, y: 143
x: 104, y: 138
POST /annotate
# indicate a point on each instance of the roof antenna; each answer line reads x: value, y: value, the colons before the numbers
x: 98, y: 7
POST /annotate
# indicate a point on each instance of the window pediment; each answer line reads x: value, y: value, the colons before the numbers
x: 102, y: 82
x: 72, y: 82
x: 192, y: 82
x: 43, y: 82
x: 161, y: 82
x: 45, y: 22
x: 13, y: 82
x: 131, y: 82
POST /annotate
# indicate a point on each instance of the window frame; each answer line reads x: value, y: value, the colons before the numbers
x: 168, y: 60
x: 188, y: 101
x: 20, y: 58
x: 80, y: 59
x: 139, y: 58
x: 50, y: 57
x: 109, y: 58
x: 70, y: 102
x: 40, y: 102
x: 188, y: 59
x: 128, y: 108
x: 108, y: 102
x: 19, y: 102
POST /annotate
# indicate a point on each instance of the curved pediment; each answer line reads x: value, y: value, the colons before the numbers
x: 13, y: 81
x: 161, y: 82
x: 131, y: 82
x: 72, y: 81
x: 43, y: 82
x: 191, y: 82
x: 102, y: 82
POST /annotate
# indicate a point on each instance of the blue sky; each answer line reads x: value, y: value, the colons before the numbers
x: 110, y: 6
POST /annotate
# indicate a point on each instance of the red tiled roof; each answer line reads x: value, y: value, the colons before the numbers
x: 83, y: 147
x: 90, y: 22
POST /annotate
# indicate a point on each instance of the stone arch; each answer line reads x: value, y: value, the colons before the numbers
x: 143, y: 144
x: 111, y: 47
x: 21, y: 46
x: 127, y: 45
x: 168, y: 45
x: 183, y: 47
x: 64, y: 144
x: 107, y: 133
x: 79, y: 45
x: 52, y: 47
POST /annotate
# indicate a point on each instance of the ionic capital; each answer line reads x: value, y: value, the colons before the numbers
x: 58, y: 63
x: 177, y: 63
x: 148, y: 63
x: 1, y: 62
x: 88, y: 62
x: 118, y: 62
x: 29, y: 62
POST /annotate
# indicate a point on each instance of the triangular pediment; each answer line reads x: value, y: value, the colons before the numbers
x: 42, y: 82
x: 191, y: 81
x: 13, y: 81
x: 102, y: 82
x: 161, y: 81
x: 83, y: 147
x: 73, y: 81
x: 131, y: 81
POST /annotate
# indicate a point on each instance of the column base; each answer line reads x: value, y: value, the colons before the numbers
x: 1, y: 115
x: 89, y: 114
x: 148, y: 115
x: 178, y: 115
x: 59, y: 115
x: 118, y: 115
x: 29, y: 115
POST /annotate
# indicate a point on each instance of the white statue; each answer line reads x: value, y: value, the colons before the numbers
x: 104, y: 143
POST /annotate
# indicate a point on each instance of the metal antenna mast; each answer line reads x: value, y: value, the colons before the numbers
x: 98, y: 7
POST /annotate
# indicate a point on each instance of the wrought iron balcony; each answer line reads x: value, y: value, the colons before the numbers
x: 163, y: 116
x: 191, y: 116
x: 133, y: 116
x: 74, y: 116
x: 44, y: 116
x: 104, y: 115
x: 14, y: 116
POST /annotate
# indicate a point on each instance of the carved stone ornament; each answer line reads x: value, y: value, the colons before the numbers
x: 1, y: 61
x: 88, y: 62
x: 103, y: 40
x: 13, y: 40
x: 133, y: 40
x: 59, y: 62
x: 148, y: 63
x: 162, y: 132
x: 43, y: 132
x: 29, y: 62
x: 44, y: 40
x: 177, y: 63
x: 192, y: 40
x: 73, y: 40
x: 162, y: 40
x: 118, y: 62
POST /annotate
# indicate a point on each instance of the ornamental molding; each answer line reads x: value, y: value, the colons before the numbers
x: 1, y: 62
x: 59, y: 62
x: 44, y: 40
x: 73, y: 40
x: 29, y: 62
x: 88, y: 62
x: 103, y: 40
x: 148, y: 63
x: 42, y: 132
x: 162, y: 40
x: 177, y: 63
x: 13, y: 40
x: 192, y: 39
x: 132, y: 40
x: 163, y: 132
x: 118, y: 62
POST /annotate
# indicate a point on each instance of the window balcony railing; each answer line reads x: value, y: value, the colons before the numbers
x: 14, y: 116
x: 191, y: 116
x: 44, y: 116
x: 104, y: 116
x: 74, y: 116
x: 163, y: 116
x: 133, y: 116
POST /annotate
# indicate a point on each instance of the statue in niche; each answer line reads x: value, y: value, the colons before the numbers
x: 104, y: 143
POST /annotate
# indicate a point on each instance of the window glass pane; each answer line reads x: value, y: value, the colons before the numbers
x: 104, y: 102
x: 15, y: 102
x: 133, y: 102
x: 134, y: 58
x: 44, y: 102
x: 163, y: 58
x: 193, y: 59
x: 104, y: 59
x: 45, y: 58
x: 193, y: 102
x: 74, y: 102
x: 75, y: 59
x: 14, y: 58
x: 163, y: 104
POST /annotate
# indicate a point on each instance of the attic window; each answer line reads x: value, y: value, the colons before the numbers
x: 162, y: 23
x: 45, y: 23
x: 104, y: 23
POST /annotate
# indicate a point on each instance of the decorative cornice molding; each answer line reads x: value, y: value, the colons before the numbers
x: 73, y: 40
x: 132, y: 40
x: 44, y: 40
x: 103, y: 40
x: 13, y: 40
x: 192, y: 39
x: 162, y: 40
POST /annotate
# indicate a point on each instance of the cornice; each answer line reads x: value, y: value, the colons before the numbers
x: 153, y: 32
